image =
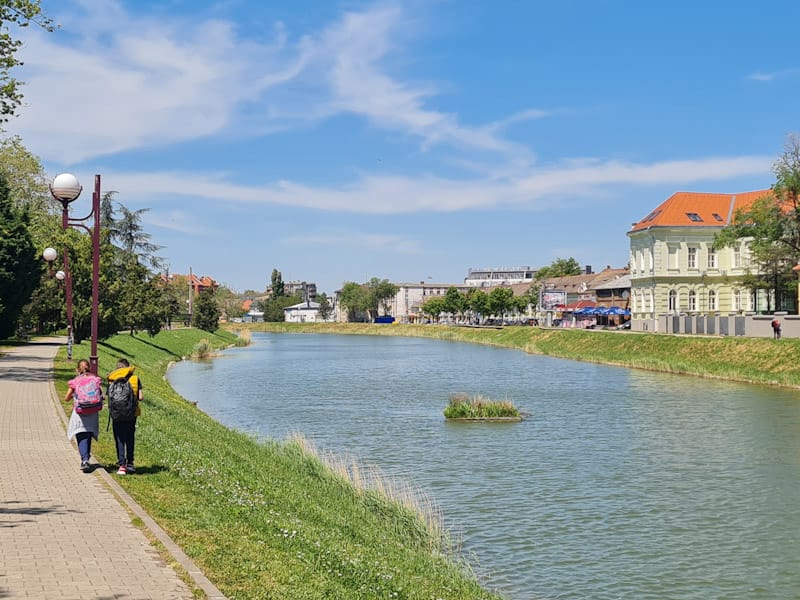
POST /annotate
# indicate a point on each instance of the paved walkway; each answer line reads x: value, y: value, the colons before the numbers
x: 63, y: 533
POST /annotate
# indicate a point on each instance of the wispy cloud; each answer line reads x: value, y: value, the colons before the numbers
x: 175, y: 220
x: 583, y: 180
x: 773, y: 75
x: 122, y: 82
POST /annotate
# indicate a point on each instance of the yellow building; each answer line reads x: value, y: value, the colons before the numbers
x: 674, y: 267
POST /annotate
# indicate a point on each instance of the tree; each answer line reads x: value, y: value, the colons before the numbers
x: 20, y: 268
x: 325, y: 308
x: 500, y: 301
x: 455, y: 302
x: 560, y: 267
x: 277, y: 284
x: 380, y: 294
x: 273, y: 308
x: 478, y: 303
x: 771, y: 228
x: 206, y: 311
x: 434, y: 307
x: 355, y: 299
x: 22, y: 13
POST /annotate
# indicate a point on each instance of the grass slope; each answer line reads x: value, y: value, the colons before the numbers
x: 753, y: 360
x: 266, y: 520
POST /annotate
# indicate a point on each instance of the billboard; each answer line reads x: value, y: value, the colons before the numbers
x: 551, y: 300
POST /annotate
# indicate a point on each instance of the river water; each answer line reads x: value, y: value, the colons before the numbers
x: 620, y: 484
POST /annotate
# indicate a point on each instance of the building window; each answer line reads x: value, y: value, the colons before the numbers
x: 694, y: 217
x: 673, y: 300
x: 692, y: 301
x: 692, y: 257
x: 712, y: 300
x: 716, y: 217
x: 673, y: 257
x: 736, y: 300
x: 737, y: 258
x: 712, y: 258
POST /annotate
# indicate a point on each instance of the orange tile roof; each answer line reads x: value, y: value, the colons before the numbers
x: 697, y: 209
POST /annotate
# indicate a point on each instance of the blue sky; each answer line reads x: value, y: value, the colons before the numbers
x: 339, y: 141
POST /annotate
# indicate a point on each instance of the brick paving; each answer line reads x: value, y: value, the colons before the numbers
x: 63, y: 533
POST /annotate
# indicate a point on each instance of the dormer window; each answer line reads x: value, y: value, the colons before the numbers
x: 694, y: 217
x: 716, y: 217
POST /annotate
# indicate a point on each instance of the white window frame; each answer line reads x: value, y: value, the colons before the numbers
x: 672, y: 301
x: 692, y: 305
x: 712, y: 259
x: 736, y: 300
x: 712, y: 300
x: 737, y: 258
x: 691, y: 257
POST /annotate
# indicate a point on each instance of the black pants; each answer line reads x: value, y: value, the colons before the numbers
x: 124, y: 437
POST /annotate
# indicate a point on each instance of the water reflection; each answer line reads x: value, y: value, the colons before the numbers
x: 621, y: 484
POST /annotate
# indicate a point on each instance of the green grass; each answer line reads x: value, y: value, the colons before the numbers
x: 462, y: 406
x: 272, y: 519
x: 753, y: 360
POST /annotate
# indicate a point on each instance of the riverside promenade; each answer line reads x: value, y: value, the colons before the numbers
x: 65, y: 534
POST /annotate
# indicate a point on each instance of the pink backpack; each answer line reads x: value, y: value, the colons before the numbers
x: 88, y: 394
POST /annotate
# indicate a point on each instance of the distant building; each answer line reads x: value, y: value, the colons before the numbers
x: 198, y: 284
x: 304, y: 312
x: 494, y: 276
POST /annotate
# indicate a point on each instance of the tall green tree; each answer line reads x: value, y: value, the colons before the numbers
x: 501, y: 301
x: 325, y: 307
x: 20, y: 268
x: 21, y: 13
x: 478, y: 303
x: 560, y: 267
x: 277, y: 284
x: 380, y: 295
x: 434, y: 307
x: 455, y: 302
x: 206, y: 311
x: 771, y: 229
x: 355, y: 299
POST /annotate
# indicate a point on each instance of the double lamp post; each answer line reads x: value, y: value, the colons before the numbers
x: 65, y: 189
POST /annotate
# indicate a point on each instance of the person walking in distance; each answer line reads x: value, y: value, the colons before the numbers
x: 776, y: 329
x: 86, y: 393
x: 124, y: 396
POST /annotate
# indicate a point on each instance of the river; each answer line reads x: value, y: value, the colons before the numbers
x: 620, y: 484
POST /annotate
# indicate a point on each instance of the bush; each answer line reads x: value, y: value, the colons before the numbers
x: 478, y: 407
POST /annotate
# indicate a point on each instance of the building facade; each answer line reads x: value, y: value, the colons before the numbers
x: 494, y: 276
x: 675, y: 268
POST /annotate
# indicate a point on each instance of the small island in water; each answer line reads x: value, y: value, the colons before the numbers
x: 463, y: 407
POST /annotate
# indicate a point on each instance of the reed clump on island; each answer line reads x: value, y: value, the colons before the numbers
x: 265, y: 518
x: 463, y: 406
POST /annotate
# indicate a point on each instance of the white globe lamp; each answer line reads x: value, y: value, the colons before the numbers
x: 49, y: 254
x: 60, y: 275
x: 66, y: 187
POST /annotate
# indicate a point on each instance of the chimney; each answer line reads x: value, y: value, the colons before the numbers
x: 588, y: 270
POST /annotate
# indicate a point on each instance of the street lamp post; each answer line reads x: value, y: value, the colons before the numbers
x: 65, y: 189
x: 50, y: 255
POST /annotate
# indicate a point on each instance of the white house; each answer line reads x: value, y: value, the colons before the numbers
x: 305, y: 312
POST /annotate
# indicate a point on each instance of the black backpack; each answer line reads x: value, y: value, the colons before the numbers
x: 121, y: 400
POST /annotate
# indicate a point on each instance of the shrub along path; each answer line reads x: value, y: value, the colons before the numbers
x: 65, y: 534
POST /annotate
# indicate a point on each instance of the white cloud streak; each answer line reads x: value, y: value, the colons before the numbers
x: 582, y: 181
x: 773, y: 75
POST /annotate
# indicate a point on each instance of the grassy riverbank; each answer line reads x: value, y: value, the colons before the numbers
x: 753, y: 360
x: 268, y: 519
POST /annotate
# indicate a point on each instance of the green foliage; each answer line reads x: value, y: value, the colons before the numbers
x: 478, y: 302
x: 434, y: 307
x: 20, y: 268
x: 462, y: 406
x: 355, y: 299
x: 560, y: 267
x: 770, y: 227
x: 202, y: 349
x: 206, y: 312
x: 455, y: 302
x: 501, y: 300
x: 21, y: 13
x: 380, y: 294
x: 277, y: 285
x: 325, y: 308
x: 273, y: 307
